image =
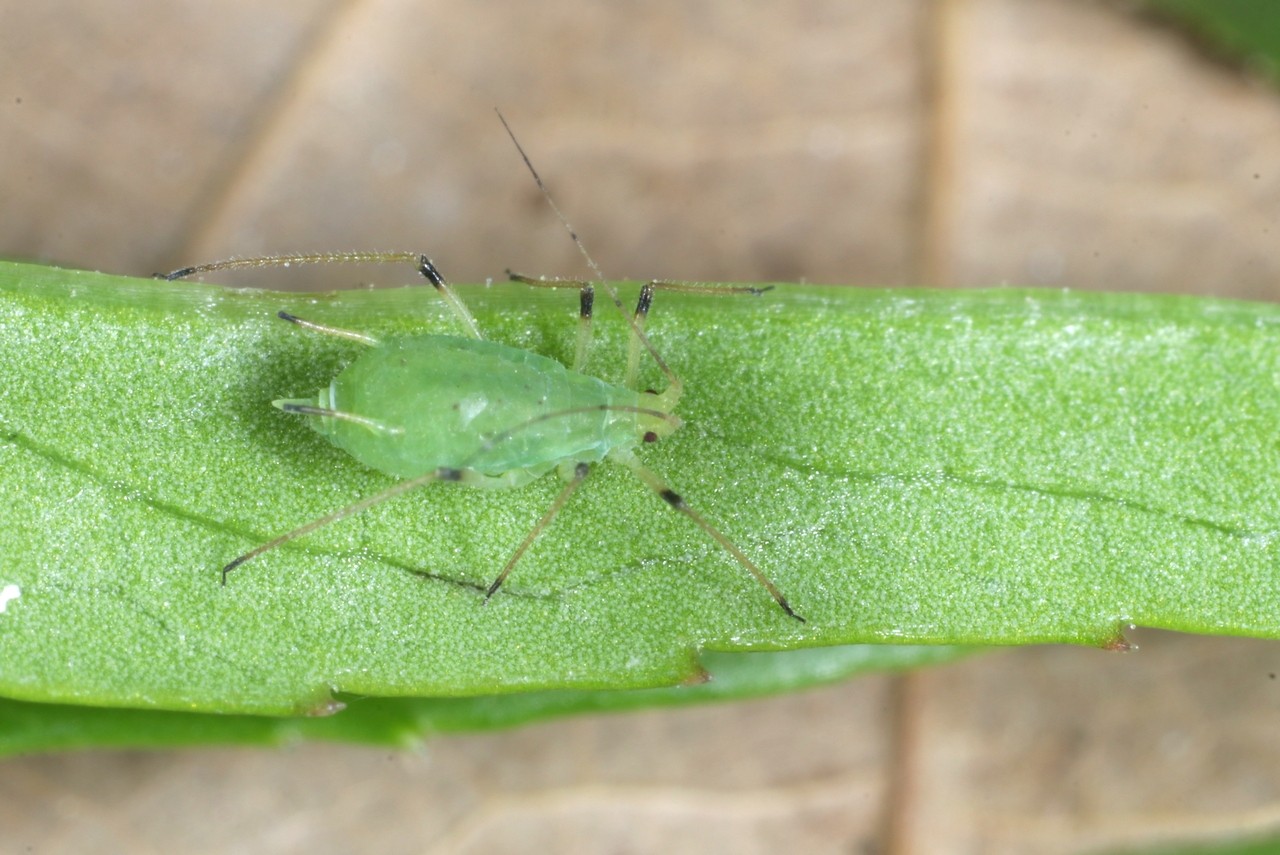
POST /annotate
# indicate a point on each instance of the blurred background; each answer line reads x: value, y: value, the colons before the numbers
x: 1074, y: 143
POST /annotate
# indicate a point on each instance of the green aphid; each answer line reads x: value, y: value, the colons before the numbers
x: 430, y: 408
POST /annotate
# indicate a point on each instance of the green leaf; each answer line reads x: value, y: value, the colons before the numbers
x: 27, y: 727
x: 1238, y: 844
x: 1000, y: 467
x: 1246, y: 29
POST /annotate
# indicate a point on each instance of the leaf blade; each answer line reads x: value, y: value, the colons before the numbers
x: 911, y: 467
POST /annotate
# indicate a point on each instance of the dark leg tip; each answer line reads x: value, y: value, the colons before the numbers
x: 177, y: 274
x: 493, y: 589
x: 429, y: 272
x: 786, y: 607
x: 225, y: 570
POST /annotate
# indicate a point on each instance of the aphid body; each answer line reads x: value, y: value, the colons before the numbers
x: 429, y: 402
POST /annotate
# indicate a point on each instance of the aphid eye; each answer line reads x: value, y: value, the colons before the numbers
x: 650, y: 436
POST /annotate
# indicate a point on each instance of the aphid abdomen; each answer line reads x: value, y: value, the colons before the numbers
x: 454, y: 402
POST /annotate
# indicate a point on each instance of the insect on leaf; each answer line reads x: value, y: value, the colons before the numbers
x: 999, y: 467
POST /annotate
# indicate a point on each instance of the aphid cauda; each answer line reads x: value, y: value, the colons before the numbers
x: 462, y: 409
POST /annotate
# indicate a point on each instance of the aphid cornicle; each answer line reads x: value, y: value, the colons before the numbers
x: 433, y: 407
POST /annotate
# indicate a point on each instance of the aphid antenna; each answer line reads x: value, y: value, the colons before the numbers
x: 636, y: 329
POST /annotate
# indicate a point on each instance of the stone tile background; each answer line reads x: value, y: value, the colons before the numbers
x: 945, y: 142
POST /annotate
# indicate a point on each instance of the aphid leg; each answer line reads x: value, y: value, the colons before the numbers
x: 637, y: 341
x: 586, y: 304
x: 578, y: 475
x: 672, y: 498
x: 699, y: 288
x: 327, y: 330
x: 646, y: 301
x: 296, y: 258
x: 633, y: 342
x: 424, y: 265
x: 341, y: 514
x: 451, y: 298
x: 466, y: 476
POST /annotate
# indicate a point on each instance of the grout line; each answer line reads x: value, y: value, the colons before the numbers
x: 248, y: 150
